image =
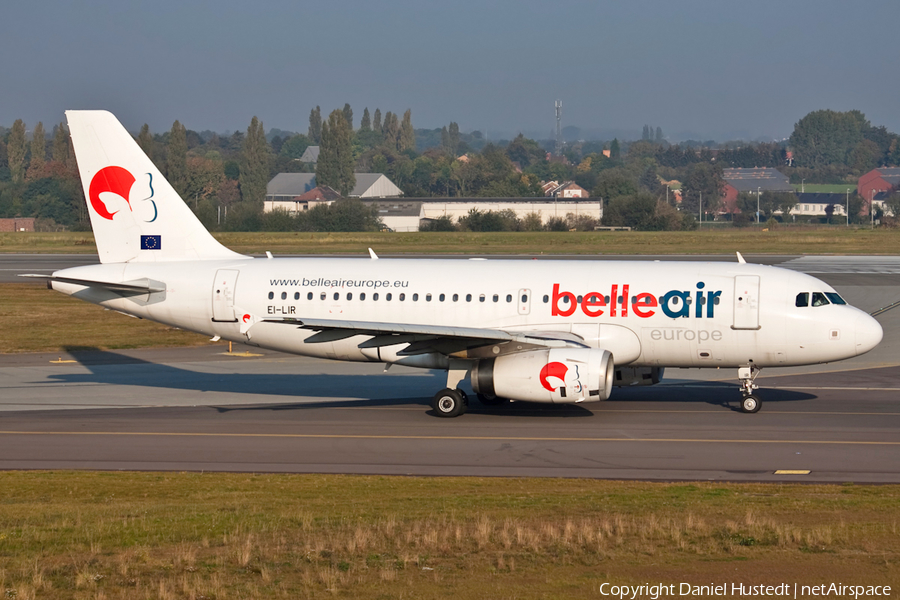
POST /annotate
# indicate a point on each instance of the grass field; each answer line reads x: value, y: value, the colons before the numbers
x: 782, y: 240
x: 825, y: 188
x: 35, y: 319
x: 167, y: 536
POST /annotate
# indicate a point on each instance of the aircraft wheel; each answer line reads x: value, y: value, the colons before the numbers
x: 448, y: 403
x: 491, y: 400
x: 751, y: 404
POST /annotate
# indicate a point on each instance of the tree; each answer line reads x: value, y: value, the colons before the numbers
x: 15, y: 150
x: 613, y: 183
x: 254, y: 164
x: 315, y: 125
x: 366, y: 123
x: 706, y: 179
x: 376, y: 125
x: 60, y: 149
x: 176, y: 158
x: 336, y: 160
x: 145, y: 140
x: 826, y: 137
x: 646, y: 133
x: 391, y: 130
x: 865, y: 156
x: 524, y: 151
x: 614, y: 151
x: 893, y: 204
x: 659, y: 135
x: 445, y: 139
x: 348, y: 115
x: 295, y: 146
x: 38, y: 152
x: 453, y: 132
x: 407, y: 139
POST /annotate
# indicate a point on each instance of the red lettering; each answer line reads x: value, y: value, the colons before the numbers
x: 644, y: 301
x: 555, y: 310
x: 590, y: 301
x: 625, y: 300
x: 613, y: 300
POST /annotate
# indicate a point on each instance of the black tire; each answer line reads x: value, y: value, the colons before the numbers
x: 491, y: 400
x: 448, y: 403
x: 751, y: 404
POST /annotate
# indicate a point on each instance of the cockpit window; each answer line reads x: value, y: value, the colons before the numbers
x: 835, y: 298
x: 802, y: 299
x: 819, y: 299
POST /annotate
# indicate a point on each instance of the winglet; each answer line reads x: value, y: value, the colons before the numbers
x: 372, y: 254
x: 741, y: 258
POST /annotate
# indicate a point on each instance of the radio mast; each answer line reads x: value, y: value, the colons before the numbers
x: 558, y: 130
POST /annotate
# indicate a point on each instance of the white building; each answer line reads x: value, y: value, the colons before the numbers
x: 284, y: 188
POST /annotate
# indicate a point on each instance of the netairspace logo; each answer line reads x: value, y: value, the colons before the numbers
x: 782, y: 590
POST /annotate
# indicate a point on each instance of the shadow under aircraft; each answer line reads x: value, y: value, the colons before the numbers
x: 365, y: 390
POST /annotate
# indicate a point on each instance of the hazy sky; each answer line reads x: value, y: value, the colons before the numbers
x: 713, y: 69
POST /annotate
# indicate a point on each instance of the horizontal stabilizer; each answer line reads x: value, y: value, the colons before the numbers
x: 135, y: 286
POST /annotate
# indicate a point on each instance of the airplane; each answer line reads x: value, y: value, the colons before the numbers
x: 560, y: 332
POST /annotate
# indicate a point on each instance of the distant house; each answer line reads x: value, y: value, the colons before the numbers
x: 753, y: 181
x: 567, y: 189
x: 310, y: 155
x: 397, y: 214
x: 815, y: 205
x: 286, y: 189
x: 878, y: 183
x: 17, y: 224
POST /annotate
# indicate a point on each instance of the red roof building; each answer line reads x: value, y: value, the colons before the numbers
x: 885, y: 179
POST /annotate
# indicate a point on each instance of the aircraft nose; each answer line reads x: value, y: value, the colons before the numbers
x: 868, y: 333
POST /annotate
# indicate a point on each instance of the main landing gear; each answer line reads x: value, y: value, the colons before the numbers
x: 450, y: 402
x: 747, y: 376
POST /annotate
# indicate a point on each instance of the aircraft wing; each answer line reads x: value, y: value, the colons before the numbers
x: 424, y: 339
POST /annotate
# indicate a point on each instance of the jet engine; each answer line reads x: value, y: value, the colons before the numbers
x: 556, y: 375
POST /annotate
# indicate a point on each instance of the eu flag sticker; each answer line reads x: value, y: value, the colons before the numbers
x: 151, y: 242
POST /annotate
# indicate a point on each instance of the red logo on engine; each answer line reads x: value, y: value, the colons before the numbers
x: 110, y: 179
x: 554, y: 369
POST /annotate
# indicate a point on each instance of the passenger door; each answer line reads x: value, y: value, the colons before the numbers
x: 746, y: 302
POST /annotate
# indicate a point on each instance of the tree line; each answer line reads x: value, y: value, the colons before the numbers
x: 227, y: 174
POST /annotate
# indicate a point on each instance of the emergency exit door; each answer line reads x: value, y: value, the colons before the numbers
x: 223, y: 296
x: 746, y: 302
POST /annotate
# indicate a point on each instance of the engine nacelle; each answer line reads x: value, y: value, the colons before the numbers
x: 629, y: 376
x: 557, y: 375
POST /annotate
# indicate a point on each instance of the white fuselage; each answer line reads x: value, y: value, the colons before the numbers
x: 670, y: 314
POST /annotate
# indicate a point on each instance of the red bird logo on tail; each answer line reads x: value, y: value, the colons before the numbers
x: 110, y: 179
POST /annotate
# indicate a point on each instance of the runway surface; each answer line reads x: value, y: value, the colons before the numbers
x: 198, y: 409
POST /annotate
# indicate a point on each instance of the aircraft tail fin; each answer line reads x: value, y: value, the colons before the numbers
x: 136, y: 215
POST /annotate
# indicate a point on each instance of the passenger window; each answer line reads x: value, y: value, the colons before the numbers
x: 441, y: 297
x: 402, y: 297
x: 546, y: 298
x: 468, y: 297
x: 565, y: 299
x: 415, y: 297
x: 322, y: 296
x: 802, y: 299
x: 579, y: 299
x: 509, y: 297
x: 309, y: 296
x: 349, y: 296
x: 481, y: 298
x: 427, y: 297
x: 271, y: 295
x: 296, y: 295
x: 524, y: 298
x: 387, y: 297
x: 284, y: 295
x: 716, y: 301
x: 819, y: 299
x: 455, y: 297
x: 362, y: 296
x: 375, y: 297
x: 496, y: 298
x: 835, y: 298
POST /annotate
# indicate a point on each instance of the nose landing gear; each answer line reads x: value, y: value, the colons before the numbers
x: 747, y: 376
